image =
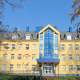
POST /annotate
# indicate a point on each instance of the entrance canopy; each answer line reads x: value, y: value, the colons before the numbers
x: 49, y: 59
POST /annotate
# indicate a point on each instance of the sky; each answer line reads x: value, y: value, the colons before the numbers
x: 39, y: 13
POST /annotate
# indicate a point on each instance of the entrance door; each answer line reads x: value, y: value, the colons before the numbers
x: 47, y: 70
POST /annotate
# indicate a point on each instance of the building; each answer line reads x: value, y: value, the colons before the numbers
x: 46, y: 53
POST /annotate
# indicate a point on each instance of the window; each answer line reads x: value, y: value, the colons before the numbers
x: 41, y: 46
x: 77, y: 57
x: 34, y: 68
x: 67, y: 68
x: 27, y: 46
x: 70, y: 67
x: 20, y: 46
x: 12, y: 56
x: 5, y: 56
x: 70, y: 46
x: 6, y: 46
x: 41, y: 43
x: 76, y: 47
x: 11, y: 67
x: 63, y: 57
x: 78, y: 67
x: 69, y: 37
x: 74, y: 67
x: 14, y: 37
x: 55, y: 42
x: 63, y: 67
x: 70, y: 57
x: 18, y: 65
x: 62, y: 46
x: 34, y: 57
x: 13, y: 46
x: 41, y: 36
x: 27, y: 56
x: 28, y: 36
x: 34, y: 46
x: 19, y: 56
x: 3, y: 67
x: 26, y: 65
x: 48, y: 43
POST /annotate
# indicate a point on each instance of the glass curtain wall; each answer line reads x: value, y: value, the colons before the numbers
x: 48, y: 43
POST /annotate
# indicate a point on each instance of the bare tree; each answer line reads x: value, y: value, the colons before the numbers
x: 11, y: 3
x: 75, y: 15
x: 76, y: 10
x: 3, y: 28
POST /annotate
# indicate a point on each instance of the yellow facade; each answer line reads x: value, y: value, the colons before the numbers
x: 69, y: 57
x: 27, y: 56
x: 20, y: 56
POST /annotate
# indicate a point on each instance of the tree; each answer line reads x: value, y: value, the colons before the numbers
x: 3, y: 28
x: 76, y: 10
x: 76, y: 15
x: 15, y: 29
x: 11, y: 3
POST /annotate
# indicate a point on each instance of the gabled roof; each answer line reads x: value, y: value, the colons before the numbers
x: 51, y: 27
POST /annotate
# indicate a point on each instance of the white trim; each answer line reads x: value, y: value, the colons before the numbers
x: 49, y: 26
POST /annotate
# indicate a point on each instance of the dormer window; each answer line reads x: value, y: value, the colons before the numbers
x: 27, y: 46
x: 69, y: 37
x: 13, y: 46
x: 14, y: 37
x: 28, y: 36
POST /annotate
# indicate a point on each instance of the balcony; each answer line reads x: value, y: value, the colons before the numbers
x: 53, y: 58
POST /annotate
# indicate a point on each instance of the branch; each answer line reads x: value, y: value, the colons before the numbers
x: 11, y: 4
x: 75, y: 3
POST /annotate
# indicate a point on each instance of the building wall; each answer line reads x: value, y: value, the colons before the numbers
x: 69, y: 54
x: 19, y: 58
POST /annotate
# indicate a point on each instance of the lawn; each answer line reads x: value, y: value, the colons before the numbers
x: 14, y: 77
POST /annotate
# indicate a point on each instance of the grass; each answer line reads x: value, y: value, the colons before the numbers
x: 14, y: 77
x: 67, y: 78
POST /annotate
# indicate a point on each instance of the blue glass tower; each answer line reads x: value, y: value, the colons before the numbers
x: 50, y: 46
x: 48, y: 52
